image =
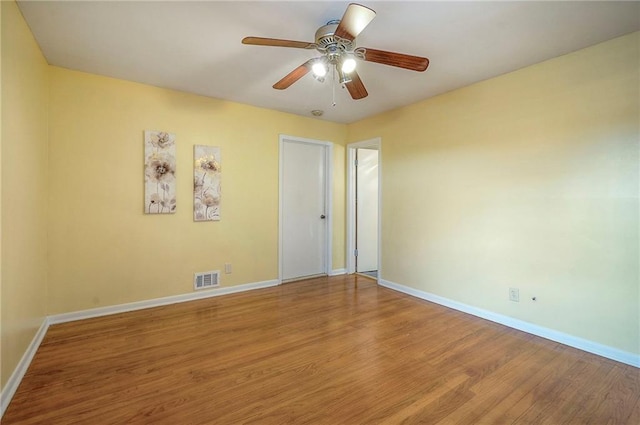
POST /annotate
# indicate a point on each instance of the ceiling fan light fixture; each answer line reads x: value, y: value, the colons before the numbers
x: 319, y: 69
x: 343, y: 78
x: 336, y: 42
x: 348, y: 65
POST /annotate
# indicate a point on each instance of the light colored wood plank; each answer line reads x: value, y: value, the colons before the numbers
x: 323, y: 351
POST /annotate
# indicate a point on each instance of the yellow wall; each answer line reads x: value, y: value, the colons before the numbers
x: 24, y: 167
x: 527, y: 180
x: 2, y: 374
x: 104, y: 250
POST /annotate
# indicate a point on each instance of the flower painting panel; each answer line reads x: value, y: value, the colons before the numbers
x: 206, y: 183
x: 159, y: 172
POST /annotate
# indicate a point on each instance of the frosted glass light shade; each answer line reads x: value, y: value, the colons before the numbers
x: 348, y: 65
x: 319, y: 69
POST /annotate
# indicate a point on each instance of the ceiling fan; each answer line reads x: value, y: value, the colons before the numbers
x: 336, y: 41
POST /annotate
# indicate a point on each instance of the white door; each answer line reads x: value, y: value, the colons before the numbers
x: 367, y: 210
x: 303, y: 208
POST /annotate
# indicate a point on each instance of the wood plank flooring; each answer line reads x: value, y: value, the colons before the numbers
x: 337, y: 350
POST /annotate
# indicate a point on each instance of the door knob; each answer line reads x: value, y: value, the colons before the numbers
x: 323, y: 216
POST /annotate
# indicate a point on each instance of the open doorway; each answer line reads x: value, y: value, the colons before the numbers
x: 363, y: 208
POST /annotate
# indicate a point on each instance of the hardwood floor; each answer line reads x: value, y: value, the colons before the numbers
x: 337, y: 350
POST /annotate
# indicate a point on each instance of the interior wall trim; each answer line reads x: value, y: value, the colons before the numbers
x: 157, y: 302
x: 18, y: 373
x: 337, y: 272
x: 541, y: 331
x: 16, y: 377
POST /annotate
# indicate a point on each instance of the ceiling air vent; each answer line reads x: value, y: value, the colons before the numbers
x: 206, y: 280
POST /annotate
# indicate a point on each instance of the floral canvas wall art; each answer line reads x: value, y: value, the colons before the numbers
x: 159, y: 172
x: 206, y: 183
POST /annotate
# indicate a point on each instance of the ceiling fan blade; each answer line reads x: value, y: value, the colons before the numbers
x: 414, y: 63
x: 294, y: 75
x: 276, y: 42
x: 355, y: 19
x: 356, y: 87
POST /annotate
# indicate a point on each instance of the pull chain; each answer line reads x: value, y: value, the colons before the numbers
x: 333, y: 86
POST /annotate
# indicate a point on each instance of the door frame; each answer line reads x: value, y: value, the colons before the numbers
x: 351, y: 201
x: 328, y: 183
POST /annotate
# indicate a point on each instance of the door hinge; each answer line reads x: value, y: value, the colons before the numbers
x: 355, y: 162
x: 355, y: 252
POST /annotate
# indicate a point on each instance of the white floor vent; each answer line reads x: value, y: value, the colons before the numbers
x: 206, y: 280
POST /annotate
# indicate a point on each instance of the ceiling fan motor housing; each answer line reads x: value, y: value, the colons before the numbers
x: 327, y: 42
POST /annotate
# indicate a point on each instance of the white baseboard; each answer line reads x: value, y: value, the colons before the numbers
x: 157, y: 302
x: 553, y: 335
x: 18, y: 373
x: 337, y: 272
x: 16, y: 377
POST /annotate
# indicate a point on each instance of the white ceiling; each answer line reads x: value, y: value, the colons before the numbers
x: 196, y: 46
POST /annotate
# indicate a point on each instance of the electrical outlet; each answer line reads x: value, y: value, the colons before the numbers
x: 514, y: 294
x: 227, y: 268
